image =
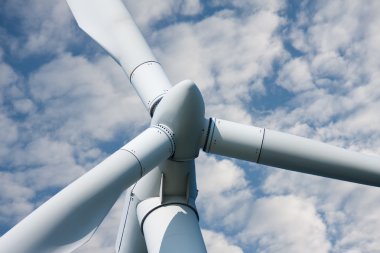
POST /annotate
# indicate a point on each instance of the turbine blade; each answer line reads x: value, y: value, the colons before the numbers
x: 109, y: 23
x: 69, y: 218
x: 291, y: 152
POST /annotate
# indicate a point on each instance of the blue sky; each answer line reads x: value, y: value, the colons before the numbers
x: 310, y: 68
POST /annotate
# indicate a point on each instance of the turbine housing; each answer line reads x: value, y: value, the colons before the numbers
x: 182, y: 110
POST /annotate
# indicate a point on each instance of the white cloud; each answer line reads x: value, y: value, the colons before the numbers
x: 145, y: 14
x: 285, y: 224
x: 149, y: 12
x: 191, y: 7
x: 15, y: 196
x: 270, y: 5
x: 349, y: 210
x: 295, y: 76
x: 224, y: 195
x: 7, y: 75
x: 81, y: 98
x: 8, y: 134
x: 328, y: 67
x: 23, y: 105
x: 226, y: 56
x: 218, y: 243
x: 45, y: 26
x: 51, y: 162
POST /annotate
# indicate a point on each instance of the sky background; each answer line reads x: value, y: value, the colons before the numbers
x: 310, y: 68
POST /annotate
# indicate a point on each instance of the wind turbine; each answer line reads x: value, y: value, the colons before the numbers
x: 157, y: 166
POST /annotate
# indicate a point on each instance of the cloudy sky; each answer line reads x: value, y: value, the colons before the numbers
x: 310, y: 68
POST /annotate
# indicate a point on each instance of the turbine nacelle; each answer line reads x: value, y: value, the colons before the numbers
x: 182, y: 112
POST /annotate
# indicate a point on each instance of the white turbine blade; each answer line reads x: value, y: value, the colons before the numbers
x: 109, y: 23
x: 291, y: 152
x: 69, y: 218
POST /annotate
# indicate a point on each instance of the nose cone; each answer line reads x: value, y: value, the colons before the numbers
x: 182, y: 110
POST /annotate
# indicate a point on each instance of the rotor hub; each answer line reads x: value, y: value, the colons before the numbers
x: 182, y: 110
